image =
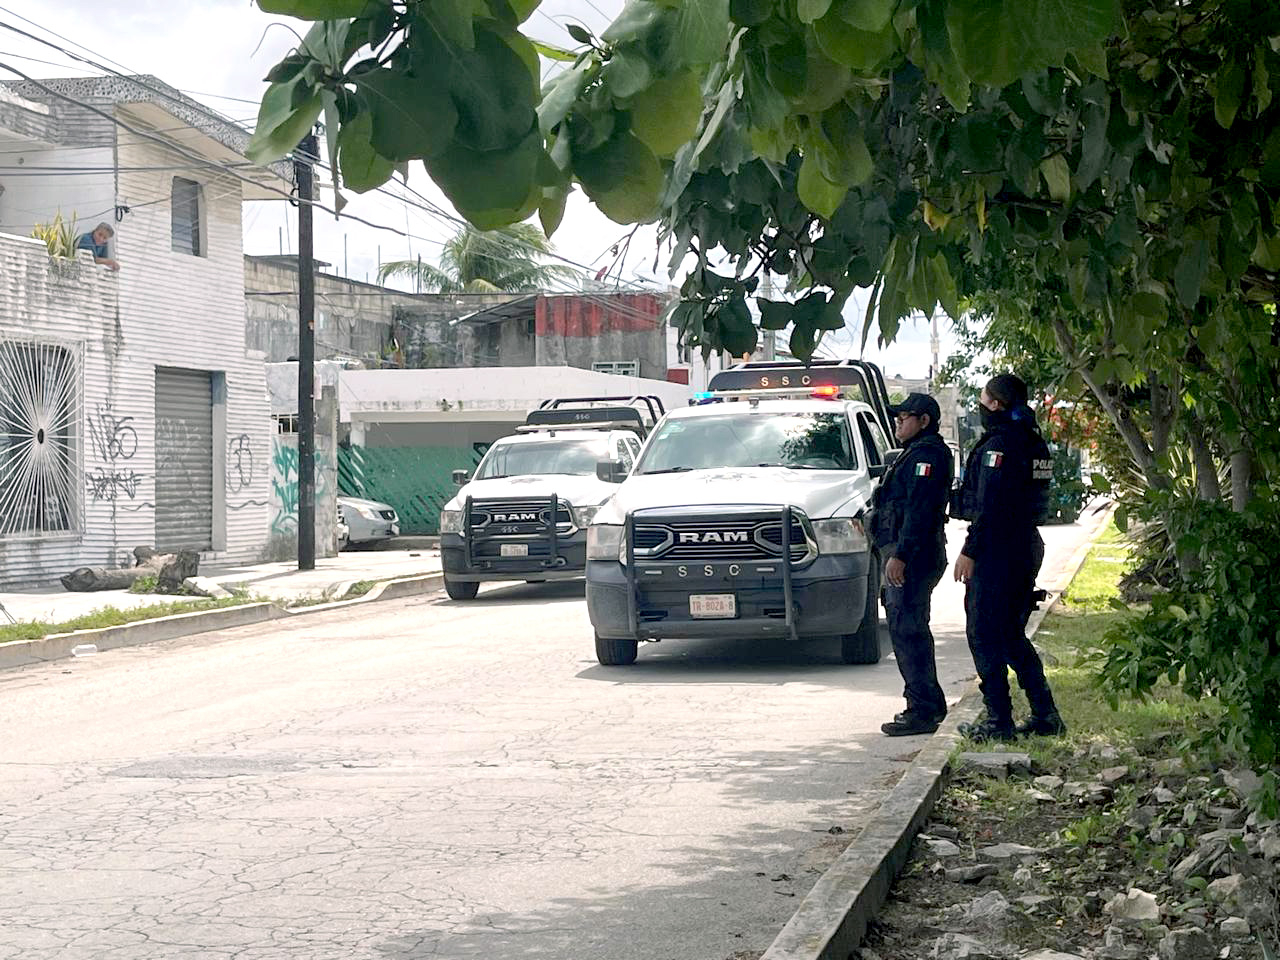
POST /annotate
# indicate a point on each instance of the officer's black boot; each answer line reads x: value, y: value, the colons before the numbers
x: 1045, y: 721
x: 910, y: 723
x: 1049, y: 725
x: 985, y: 729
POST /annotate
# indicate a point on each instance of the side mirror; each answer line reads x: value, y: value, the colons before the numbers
x: 611, y: 471
x: 890, y: 456
x: 460, y: 477
x: 878, y: 470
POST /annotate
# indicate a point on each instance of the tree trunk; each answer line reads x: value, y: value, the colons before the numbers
x: 1241, y: 480
x: 1207, y: 486
x: 1117, y: 412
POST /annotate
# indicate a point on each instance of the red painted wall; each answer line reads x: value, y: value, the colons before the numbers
x: 590, y: 315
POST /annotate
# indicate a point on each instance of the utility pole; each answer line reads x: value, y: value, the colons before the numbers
x: 769, y: 336
x: 303, y: 157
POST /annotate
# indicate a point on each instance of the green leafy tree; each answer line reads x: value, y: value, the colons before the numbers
x: 1104, y: 174
x: 507, y: 260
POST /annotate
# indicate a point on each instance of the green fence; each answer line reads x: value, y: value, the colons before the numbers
x: 417, y: 481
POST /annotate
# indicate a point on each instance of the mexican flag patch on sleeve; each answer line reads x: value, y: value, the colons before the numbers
x: 993, y: 459
x: 924, y: 469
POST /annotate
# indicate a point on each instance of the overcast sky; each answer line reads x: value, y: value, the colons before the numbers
x: 217, y: 51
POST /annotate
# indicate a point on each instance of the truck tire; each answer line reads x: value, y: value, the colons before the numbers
x: 616, y: 653
x: 863, y: 647
x: 460, y: 590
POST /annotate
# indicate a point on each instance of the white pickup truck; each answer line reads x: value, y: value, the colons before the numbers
x: 744, y: 515
x: 524, y: 514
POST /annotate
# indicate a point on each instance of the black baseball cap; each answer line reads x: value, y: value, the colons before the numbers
x: 918, y: 404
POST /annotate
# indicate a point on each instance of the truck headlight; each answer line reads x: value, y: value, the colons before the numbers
x: 604, y: 541
x: 450, y: 521
x: 582, y: 516
x: 841, y: 535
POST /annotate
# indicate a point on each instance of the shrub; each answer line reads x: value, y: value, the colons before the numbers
x: 1215, y: 631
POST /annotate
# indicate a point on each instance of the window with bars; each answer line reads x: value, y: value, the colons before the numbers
x: 624, y: 368
x: 39, y: 418
x: 187, y: 199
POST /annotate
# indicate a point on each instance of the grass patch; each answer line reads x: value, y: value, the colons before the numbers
x: 112, y: 617
x: 1071, y: 639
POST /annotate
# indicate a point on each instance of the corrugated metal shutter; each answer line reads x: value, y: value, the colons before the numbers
x: 184, y: 460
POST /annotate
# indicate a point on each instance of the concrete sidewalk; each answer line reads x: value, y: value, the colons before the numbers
x: 274, y: 581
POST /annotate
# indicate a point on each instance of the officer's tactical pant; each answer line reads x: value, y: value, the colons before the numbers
x: 908, y: 615
x: 998, y: 603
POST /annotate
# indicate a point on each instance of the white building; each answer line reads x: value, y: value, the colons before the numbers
x: 130, y: 411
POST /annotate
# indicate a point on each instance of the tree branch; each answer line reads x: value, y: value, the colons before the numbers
x: 1118, y: 413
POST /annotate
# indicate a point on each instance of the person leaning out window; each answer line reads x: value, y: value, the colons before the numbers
x: 96, y: 242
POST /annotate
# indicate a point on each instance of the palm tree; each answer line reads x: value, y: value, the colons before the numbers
x: 507, y: 260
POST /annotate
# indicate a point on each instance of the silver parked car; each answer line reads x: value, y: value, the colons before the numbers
x: 366, y: 520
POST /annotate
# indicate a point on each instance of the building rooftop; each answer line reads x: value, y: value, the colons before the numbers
x: 151, y: 106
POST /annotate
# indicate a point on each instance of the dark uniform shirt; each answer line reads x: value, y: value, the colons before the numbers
x: 1006, y: 484
x: 911, y: 501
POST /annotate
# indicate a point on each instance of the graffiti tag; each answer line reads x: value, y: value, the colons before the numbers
x: 113, y: 437
x: 111, y: 485
x: 240, y: 465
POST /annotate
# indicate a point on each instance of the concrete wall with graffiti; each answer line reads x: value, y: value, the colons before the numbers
x: 283, y: 531
x: 82, y: 444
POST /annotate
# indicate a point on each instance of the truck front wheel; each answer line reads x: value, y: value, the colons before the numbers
x: 616, y: 653
x: 460, y: 590
x: 863, y: 647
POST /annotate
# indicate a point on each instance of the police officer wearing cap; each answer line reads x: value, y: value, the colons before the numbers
x: 1004, y: 496
x: 910, y: 510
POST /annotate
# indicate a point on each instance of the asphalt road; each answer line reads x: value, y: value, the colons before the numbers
x: 428, y: 779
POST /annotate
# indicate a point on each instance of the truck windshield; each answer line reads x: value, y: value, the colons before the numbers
x: 578, y: 457
x: 799, y: 441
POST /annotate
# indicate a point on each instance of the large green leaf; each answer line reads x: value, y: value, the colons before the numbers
x: 561, y: 93
x: 281, y: 125
x: 491, y: 87
x: 870, y: 15
x: 737, y: 333
x: 860, y: 50
x: 318, y: 9
x: 665, y: 115
x: 997, y: 41
x: 551, y: 209
x: 411, y: 117
x: 454, y: 20
x: 774, y: 314
x: 817, y: 192
x: 702, y: 31
x: 1228, y: 92
x: 627, y: 73
x: 363, y: 168
x: 1057, y: 177
x: 1192, y: 267
x: 825, y: 81
x: 623, y: 178
x: 491, y: 187
x: 638, y: 17
x: 811, y: 10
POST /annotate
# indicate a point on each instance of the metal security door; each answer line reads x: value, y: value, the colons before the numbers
x: 184, y: 460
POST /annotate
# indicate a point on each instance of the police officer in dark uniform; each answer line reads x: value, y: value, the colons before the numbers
x: 1004, y: 497
x: 910, y: 511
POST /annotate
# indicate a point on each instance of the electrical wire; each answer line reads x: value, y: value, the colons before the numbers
x: 430, y: 206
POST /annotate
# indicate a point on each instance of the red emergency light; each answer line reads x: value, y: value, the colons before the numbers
x: 827, y: 392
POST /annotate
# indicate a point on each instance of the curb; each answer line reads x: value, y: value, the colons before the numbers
x: 832, y: 919
x: 58, y: 646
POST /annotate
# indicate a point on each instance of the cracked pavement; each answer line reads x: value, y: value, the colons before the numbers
x: 427, y: 779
